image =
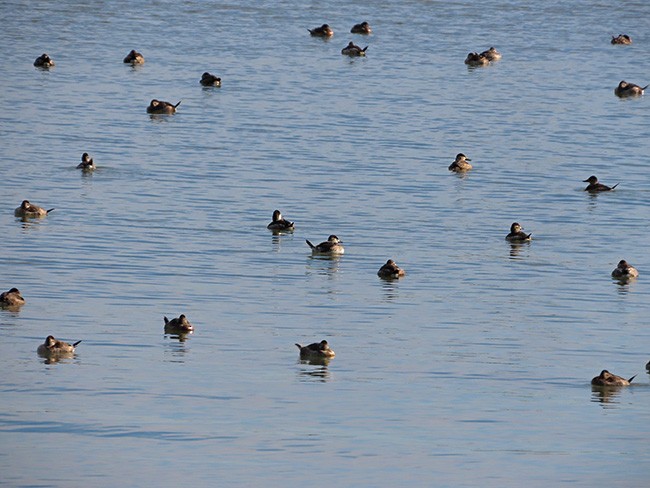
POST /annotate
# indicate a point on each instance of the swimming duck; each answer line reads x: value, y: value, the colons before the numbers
x: 11, y: 298
x: 87, y: 163
x: 390, y: 270
x: 517, y: 234
x: 362, y: 28
x: 29, y: 210
x: 208, y: 79
x: 605, y: 378
x: 322, y: 31
x: 624, y: 270
x: 460, y: 164
x: 595, y: 187
x: 330, y: 246
x: 178, y: 325
x: 625, y: 89
x: 158, y: 107
x: 622, y: 39
x: 44, y: 61
x: 476, y: 59
x: 279, y: 223
x: 134, y: 57
x: 353, y: 50
x: 52, y: 347
x: 316, y: 350
x: 491, y: 54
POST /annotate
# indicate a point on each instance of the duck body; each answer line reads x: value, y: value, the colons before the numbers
x: 390, y: 271
x: 622, y: 39
x: 29, y: 210
x: 55, y: 348
x: 44, y: 61
x: 476, y: 59
x: 362, y: 28
x: 87, y: 163
x: 605, y: 378
x: 331, y: 246
x: 491, y: 54
x: 159, y: 107
x: 279, y: 223
x: 460, y: 164
x: 517, y: 234
x: 624, y: 270
x: 316, y: 350
x: 179, y: 325
x: 208, y: 79
x: 353, y: 50
x: 11, y: 298
x: 625, y: 89
x: 134, y: 57
x: 595, y: 187
x: 322, y: 31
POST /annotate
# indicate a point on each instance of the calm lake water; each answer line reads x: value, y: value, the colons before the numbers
x: 473, y: 370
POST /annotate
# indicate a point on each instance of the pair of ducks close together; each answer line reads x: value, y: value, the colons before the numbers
x: 160, y: 107
x: 332, y: 246
x: 484, y: 58
x: 326, y: 31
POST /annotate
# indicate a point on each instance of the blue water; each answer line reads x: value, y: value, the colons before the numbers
x: 473, y: 370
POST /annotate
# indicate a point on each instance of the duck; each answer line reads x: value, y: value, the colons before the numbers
x: 53, y: 347
x: 605, y: 378
x: 353, y: 50
x: 491, y: 54
x: 331, y: 246
x: 87, y: 163
x: 595, y: 187
x: 362, y: 28
x: 134, y: 57
x: 476, y: 59
x: 11, y: 298
x: 29, y: 210
x: 390, y: 271
x: 460, y: 164
x: 279, y: 223
x: 318, y: 350
x: 622, y: 39
x: 517, y: 233
x: 44, y: 61
x: 158, y: 107
x: 625, y: 89
x: 208, y: 79
x: 178, y: 325
x: 322, y: 31
x: 624, y: 270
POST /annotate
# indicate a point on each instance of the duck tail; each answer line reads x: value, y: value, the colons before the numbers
x: 630, y: 380
x: 310, y: 244
x: 364, y: 49
x: 166, y: 320
x: 645, y: 87
x: 300, y: 347
x: 528, y: 236
x: 178, y: 104
x: 48, y: 211
x: 614, y: 186
x: 76, y: 344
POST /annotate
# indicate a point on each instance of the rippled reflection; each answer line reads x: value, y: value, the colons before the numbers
x: 606, y: 394
x: 319, y: 374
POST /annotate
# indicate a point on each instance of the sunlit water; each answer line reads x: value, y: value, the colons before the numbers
x: 473, y: 370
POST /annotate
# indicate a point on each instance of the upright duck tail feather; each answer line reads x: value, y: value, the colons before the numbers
x: 76, y: 344
x: 630, y: 380
x: 310, y: 244
x: 178, y: 104
x: 48, y: 211
x: 614, y: 186
x: 299, y: 346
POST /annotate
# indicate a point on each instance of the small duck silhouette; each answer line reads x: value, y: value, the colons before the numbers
x: 605, y: 378
x: 353, y: 50
x: 87, y: 163
x: 134, y: 57
x: 11, y: 298
x: 491, y: 54
x: 29, y: 210
x: 517, y: 234
x: 362, y: 28
x: 316, y: 350
x: 390, y: 271
x: 622, y: 39
x: 55, y: 348
x: 476, y: 59
x: 178, y: 325
x: 44, y: 61
x: 279, y: 223
x: 625, y: 89
x: 330, y: 246
x: 322, y: 31
x: 208, y: 79
x: 595, y: 187
x: 460, y: 164
x: 624, y: 270
x: 158, y: 107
